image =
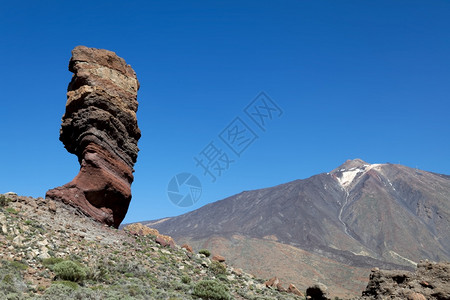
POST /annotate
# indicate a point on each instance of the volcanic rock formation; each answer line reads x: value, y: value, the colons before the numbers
x: 100, y: 127
x: 430, y: 281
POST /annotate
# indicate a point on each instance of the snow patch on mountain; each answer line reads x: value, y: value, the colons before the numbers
x: 345, y: 177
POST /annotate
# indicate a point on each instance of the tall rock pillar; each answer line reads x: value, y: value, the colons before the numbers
x: 100, y: 127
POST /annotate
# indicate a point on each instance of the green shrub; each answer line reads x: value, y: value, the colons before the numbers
x: 223, y: 278
x: 69, y: 270
x: 12, y: 210
x: 132, y: 267
x: 3, y: 200
x: 71, y: 284
x: 49, y: 262
x: 11, y: 279
x: 211, y: 289
x: 57, y: 291
x: 18, y: 265
x: 205, y: 252
x: 218, y: 268
x: 185, y: 279
x: 98, y: 272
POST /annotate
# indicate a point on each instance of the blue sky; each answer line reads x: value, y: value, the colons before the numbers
x: 354, y: 79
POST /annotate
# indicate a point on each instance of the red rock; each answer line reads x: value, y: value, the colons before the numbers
x: 294, y: 290
x: 139, y: 229
x: 100, y: 127
x: 273, y: 282
x: 218, y: 258
x: 165, y: 241
x: 161, y: 241
x: 425, y: 284
x: 188, y: 248
x: 416, y: 296
x: 280, y: 287
x: 238, y: 271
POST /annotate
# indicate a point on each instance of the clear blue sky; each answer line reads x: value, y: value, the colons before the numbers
x: 355, y: 79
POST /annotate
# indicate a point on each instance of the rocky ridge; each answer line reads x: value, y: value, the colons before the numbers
x: 100, y: 127
x: 431, y: 281
x: 40, y: 236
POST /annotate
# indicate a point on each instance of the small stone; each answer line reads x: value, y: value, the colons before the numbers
x: 31, y: 271
x: 231, y: 277
x: 42, y: 243
x: 44, y: 255
x: 18, y: 240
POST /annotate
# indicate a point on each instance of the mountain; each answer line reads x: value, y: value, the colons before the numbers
x: 332, y: 227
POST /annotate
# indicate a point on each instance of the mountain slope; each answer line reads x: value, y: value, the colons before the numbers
x: 359, y: 214
x: 49, y: 250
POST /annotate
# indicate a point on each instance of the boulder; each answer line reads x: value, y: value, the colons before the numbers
x: 218, y: 258
x: 165, y: 241
x: 317, y: 292
x: 431, y: 281
x: 272, y: 283
x: 294, y: 290
x: 139, y: 229
x: 188, y: 248
x: 100, y: 127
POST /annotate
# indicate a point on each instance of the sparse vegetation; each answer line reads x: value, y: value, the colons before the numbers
x: 70, y: 284
x: 3, y: 200
x: 48, y: 262
x: 218, y: 268
x: 11, y: 210
x: 185, y: 279
x: 66, y: 256
x: 205, y: 252
x: 211, y: 289
x: 69, y: 270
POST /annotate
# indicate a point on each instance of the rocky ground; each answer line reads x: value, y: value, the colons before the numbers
x: 430, y: 281
x: 49, y: 250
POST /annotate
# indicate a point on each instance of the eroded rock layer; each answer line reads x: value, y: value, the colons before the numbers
x: 100, y: 127
x: 431, y: 281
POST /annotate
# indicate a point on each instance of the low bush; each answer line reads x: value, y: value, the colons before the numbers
x: 49, y: 262
x: 69, y: 270
x: 185, y: 279
x: 18, y: 265
x: 3, y: 200
x: 211, y: 289
x: 70, y: 284
x: 218, y: 268
x: 205, y: 252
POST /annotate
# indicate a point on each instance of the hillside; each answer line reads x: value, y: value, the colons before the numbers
x: 52, y: 251
x: 340, y: 224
